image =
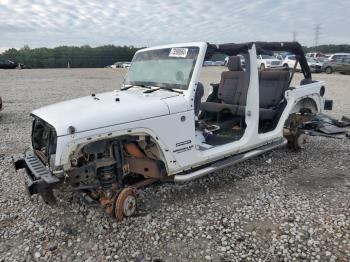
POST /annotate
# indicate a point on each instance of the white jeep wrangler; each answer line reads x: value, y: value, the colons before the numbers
x: 155, y: 127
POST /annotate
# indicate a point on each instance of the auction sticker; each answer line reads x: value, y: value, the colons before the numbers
x: 178, y: 52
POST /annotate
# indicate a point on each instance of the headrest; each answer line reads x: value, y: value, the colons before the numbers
x: 234, y: 63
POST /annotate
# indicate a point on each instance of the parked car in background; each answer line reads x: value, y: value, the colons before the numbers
x: 268, y: 61
x: 315, y: 55
x: 214, y: 63
x: 8, y: 64
x: 281, y: 56
x: 321, y: 60
x: 220, y: 63
x: 338, y: 56
x: 119, y: 65
x: 341, y: 65
x: 126, y: 64
x: 209, y: 63
x: 289, y: 61
x: 314, y: 64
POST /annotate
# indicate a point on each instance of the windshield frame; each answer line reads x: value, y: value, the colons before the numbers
x: 165, y: 85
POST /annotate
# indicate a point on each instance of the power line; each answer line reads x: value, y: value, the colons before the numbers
x: 317, y: 35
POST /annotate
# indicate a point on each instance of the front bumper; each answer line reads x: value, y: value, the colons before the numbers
x: 315, y: 69
x: 272, y: 67
x: 39, y: 178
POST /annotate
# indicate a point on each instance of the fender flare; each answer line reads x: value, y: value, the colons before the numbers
x: 308, y: 102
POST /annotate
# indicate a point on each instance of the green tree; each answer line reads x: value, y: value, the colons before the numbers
x: 78, y: 57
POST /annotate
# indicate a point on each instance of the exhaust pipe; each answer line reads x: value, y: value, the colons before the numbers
x: 229, y: 162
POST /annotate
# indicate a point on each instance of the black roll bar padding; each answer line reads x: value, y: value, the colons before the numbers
x: 231, y: 49
x: 294, y: 68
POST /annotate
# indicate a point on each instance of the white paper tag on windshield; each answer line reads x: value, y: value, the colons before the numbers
x: 178, y: 52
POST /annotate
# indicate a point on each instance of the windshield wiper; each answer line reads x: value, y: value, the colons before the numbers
x: 163, y: 88
x: 126, y: 87
x: 130, y: 86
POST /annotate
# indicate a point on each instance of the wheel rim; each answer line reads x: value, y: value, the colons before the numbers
x: 301, y: 140
x: 129, y: 206
x: 125, y: 204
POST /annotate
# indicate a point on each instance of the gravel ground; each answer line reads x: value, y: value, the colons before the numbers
x: 281, y: 206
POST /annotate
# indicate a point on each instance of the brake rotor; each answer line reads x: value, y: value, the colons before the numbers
x: 300, y: 141
x: 125, y: 204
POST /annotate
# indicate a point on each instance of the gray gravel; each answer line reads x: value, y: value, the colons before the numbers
x: 281, y: 206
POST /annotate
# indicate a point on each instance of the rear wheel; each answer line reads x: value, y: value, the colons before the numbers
x: 297, y: 138
x: 286, y: 66
x: 329, y: 70
x: 297, y: 141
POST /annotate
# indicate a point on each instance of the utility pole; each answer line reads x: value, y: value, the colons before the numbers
x: 317, y: 35
x: 294, y: 36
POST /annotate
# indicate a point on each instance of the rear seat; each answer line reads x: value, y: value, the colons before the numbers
x: 272, y: 85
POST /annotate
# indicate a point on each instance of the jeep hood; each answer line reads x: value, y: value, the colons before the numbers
x: 105, y: 109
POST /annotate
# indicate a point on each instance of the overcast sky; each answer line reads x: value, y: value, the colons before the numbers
x: 50, y: 23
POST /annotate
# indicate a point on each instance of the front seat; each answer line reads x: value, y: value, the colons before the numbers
x: 232, y: 90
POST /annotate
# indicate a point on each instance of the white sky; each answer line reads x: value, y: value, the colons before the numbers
x: 50, y: 23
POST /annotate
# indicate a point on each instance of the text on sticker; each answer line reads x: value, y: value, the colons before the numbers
x: 178, y: 52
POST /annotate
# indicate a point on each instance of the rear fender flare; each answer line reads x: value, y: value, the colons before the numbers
x: 309, y: 102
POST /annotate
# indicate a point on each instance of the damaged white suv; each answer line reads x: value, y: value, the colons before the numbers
x: 156, y: 128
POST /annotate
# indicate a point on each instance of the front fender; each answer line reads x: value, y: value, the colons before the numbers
x: 68, y: 145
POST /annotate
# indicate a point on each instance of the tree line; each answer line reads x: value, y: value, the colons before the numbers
x: 86, y: 56
x: 328, y: 49
x: 76, y: 57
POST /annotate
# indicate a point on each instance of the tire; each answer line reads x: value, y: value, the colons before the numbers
x: 286, y: 66
x: 262, y: 67
x: 329, y: 70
